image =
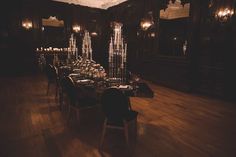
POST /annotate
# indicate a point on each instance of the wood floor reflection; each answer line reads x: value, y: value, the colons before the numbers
x: 172, y: 124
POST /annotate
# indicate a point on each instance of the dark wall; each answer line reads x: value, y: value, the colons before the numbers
x: 144, y: 54
x: 17, y: 45
x: 216, y: 56
x: 208, y: 66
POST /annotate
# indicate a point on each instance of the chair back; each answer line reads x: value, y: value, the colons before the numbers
x: 51, y: 72
x: 115, y: 104
x: 86, y: 95
x: 69, y: 88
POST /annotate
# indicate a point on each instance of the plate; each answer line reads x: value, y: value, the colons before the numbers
x: 84, y: 81
x: 73, y: 74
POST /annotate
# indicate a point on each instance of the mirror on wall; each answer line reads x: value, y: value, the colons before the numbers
x: 53, y: 32
x: 173, y: 29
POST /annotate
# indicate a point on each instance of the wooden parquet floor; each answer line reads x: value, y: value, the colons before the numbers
x: 172, y: 124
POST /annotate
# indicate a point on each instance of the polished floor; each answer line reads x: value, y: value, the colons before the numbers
x: 172, y: 124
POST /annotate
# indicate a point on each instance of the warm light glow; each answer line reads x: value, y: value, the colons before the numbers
x: 147, y: 21
x: 153, y: 34
x: 223, y: 15
x: 94, y: 34
x: 27, y: 24
x: 146, y: 25
x: 76, y: 28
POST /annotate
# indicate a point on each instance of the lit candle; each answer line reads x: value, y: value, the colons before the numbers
x: 125, y: 52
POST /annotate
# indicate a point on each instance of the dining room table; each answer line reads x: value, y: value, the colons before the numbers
x: 85, y: 81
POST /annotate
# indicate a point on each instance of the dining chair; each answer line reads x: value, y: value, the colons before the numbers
x: 63, y: 90
x: 118, y: 113
x: 52, y: 77
x: 79, y: 100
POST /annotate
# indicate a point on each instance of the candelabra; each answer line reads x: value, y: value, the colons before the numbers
x: 117, y: 55
x: 72, y: 50
x: 86, y: 47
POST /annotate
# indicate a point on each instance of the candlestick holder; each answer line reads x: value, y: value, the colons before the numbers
x: 117, y: 55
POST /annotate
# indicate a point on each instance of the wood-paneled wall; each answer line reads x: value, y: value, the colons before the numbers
x: 208, y: 68
x: 18, y: 45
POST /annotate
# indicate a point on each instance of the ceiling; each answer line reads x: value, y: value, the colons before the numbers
x: 102, y: 4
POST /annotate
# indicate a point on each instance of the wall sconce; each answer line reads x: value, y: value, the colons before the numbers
x: 223, y: 15
x: 27, y: 24
x: 145, y: 25
x: 76, y: 28
x: 147, y: 22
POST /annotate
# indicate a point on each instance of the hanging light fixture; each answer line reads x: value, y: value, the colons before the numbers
x: 147, y: 21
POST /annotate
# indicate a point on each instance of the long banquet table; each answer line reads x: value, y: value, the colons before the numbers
x: 134, y: 89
